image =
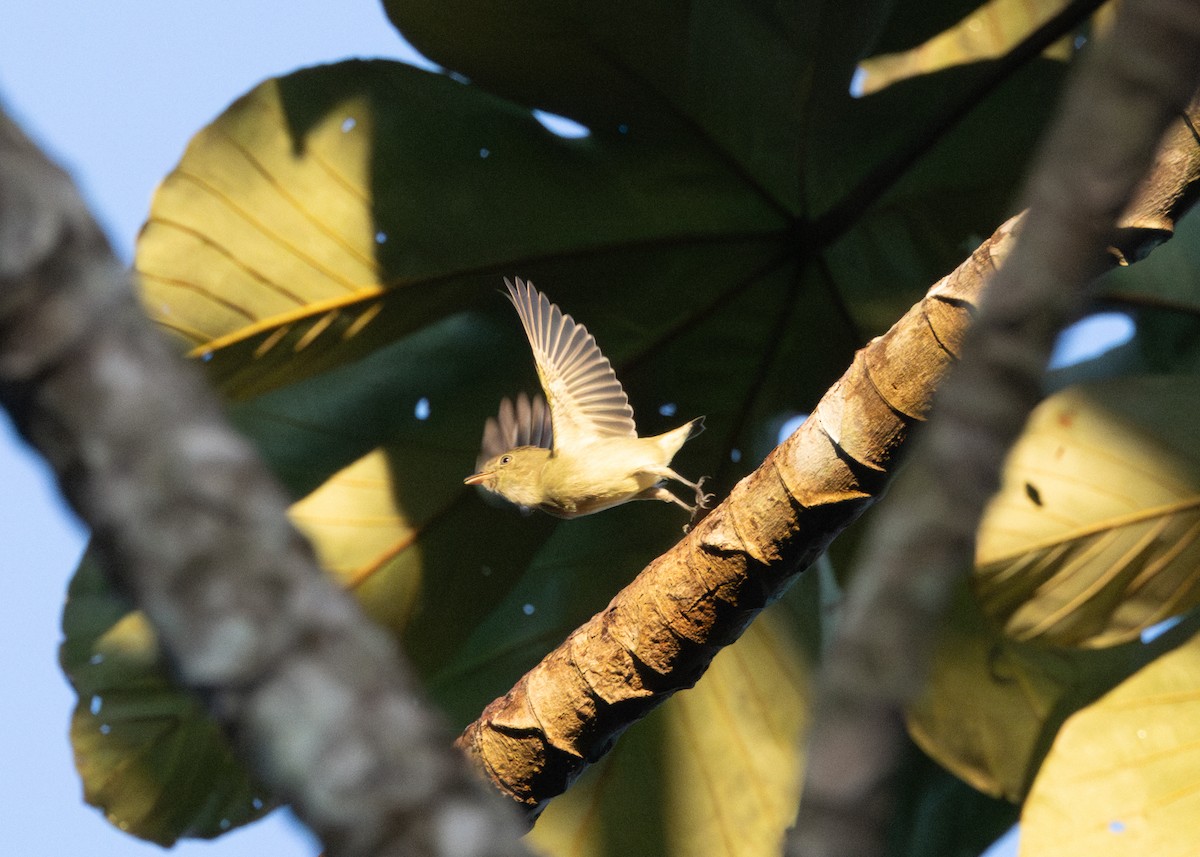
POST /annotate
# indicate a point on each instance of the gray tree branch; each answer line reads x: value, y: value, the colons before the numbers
x: 1126, y: 91
x: 194, y: 529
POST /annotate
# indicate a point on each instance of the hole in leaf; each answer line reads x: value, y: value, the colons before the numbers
x: 1090, y: 337
x: 561, y: 126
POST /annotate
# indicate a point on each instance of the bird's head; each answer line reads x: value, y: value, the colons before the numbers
x: 515, y: 475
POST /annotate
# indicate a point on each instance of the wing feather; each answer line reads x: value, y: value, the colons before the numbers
x: 527, y: 423
x: 586, y: 400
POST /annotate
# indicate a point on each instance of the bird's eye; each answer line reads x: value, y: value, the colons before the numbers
x: 505, y: 459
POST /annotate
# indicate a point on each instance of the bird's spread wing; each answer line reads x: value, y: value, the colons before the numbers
x: 586, y: 399
x: 527, y: 423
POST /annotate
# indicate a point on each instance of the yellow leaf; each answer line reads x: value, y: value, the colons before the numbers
x: 988, y: 32
x: 257, y: 236
x: 1123, y: 776
x: 1095, y: 533
x: 723, y: 762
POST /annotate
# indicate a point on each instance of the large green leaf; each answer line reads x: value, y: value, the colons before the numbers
x: 331, y: 247
x: 733, y: 75
x: 149, y: 755
x: 343, y: 207
x: 781, y: 111
x: 1094, y: 535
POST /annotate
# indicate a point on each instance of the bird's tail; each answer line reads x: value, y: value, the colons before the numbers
x: 669, y: 442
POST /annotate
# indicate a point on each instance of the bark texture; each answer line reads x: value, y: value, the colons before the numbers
x: 316, y: 697
x: 1114, y: 114
x: 659, y: 634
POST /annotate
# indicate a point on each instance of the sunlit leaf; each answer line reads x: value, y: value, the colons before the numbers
x: 988, y: 32
x: 1123, y: 776
x: 344, y: 206
x: 715, y: 771
x: 1095, y: 533
x: 148, y: 754
x: 992, y: 703
x: 1090, y: 541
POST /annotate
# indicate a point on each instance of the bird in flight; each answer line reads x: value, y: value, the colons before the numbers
x: 577, y: 451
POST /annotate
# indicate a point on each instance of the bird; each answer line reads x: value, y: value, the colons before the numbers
x: 576, y: 451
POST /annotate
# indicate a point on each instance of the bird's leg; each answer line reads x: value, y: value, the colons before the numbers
x: 657, y: 492
x: 702, y: 499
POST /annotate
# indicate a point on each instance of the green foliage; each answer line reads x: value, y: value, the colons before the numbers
x: 147, y: 752
x: 732, y: 228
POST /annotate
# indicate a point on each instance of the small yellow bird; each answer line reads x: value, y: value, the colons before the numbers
x: 582, y: 454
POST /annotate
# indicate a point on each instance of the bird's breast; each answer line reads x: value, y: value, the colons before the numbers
x: 603, y: 474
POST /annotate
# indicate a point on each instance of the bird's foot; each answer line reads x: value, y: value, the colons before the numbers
x: 703, y: 503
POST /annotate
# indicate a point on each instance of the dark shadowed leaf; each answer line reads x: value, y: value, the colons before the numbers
x: 993, y: 705
x: 939, y: 815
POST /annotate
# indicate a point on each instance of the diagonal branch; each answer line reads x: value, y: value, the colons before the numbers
x: 660, y: 632
x: 314, y: 694
x: 1115, y: 112
x: 658, y: 635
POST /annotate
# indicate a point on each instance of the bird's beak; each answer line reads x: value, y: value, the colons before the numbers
x: 477, y: 478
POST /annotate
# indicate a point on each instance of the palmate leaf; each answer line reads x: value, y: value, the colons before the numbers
x: 1095, y: 533
x: 648, y: 70
x: 332, y: 248
x: 342, y: 207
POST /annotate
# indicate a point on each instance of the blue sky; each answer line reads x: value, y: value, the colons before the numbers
x: 114, y: 91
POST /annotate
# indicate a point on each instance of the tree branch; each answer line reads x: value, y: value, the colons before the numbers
x: 1114, y: 114
x: 186, y: 516
x: 658, y: 634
